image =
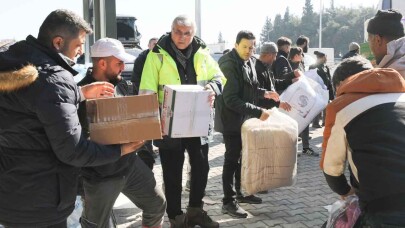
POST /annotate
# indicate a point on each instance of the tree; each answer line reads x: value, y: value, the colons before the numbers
x: 267, y: 29
x: 341, y: 26
x: 277, y: 28
x: 290, y: 24
x: 309, y: 22
x: 220, y: 39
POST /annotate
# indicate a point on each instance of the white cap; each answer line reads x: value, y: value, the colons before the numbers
x: 106, y: 47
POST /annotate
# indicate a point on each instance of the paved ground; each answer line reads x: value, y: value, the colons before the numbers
x: 300, y: 205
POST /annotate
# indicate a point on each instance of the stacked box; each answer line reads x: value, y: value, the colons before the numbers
x: 120, y: 120
x: 186, y: 111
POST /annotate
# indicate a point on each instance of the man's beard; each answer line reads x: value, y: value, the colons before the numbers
x: 113, y: 78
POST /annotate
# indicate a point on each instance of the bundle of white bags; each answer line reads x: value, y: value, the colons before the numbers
x: 269, y: 148
x: 269, y: 152
x: 307, y: 97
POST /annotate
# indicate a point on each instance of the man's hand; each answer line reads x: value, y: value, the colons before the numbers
x: 285, y: 106
x: 298, y: 73
x: 271, y: 95
x: 211, y: 97
x: 97, y: 90
x: 131, y: 147
x: 351, y: 192
x: 265, y: 115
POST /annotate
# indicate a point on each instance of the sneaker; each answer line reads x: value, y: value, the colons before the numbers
x: 233, y: 209
x: 310, y: 152
x: 196, y: 216
x: 252, y: 199
x: 180, y: 221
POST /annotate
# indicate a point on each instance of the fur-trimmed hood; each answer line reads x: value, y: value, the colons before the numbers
x: 16, y: 79
x: 18, y: 64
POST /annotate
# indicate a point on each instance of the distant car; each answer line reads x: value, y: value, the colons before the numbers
x: 216, y: 56
x: 126, y: 73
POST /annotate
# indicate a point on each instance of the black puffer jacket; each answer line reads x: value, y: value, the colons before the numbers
x: 41, y: 144
x: 241, y: 93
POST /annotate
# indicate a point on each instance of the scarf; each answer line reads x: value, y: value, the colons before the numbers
x: 182, y: 58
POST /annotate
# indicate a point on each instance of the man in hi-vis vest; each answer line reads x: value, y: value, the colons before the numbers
x: 181, y: 58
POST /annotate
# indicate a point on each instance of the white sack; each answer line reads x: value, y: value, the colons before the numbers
x: 269, y: 152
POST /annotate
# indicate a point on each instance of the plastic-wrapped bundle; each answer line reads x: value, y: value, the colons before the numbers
x: 307, y: 99
x: 73, y: 221
x: 269, y: 152
x: 344, y: 213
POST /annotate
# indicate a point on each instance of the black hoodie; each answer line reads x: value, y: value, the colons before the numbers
x: 41, y: 144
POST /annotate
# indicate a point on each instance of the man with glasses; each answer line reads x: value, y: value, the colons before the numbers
x: 182, y: 58
x: 386, y: 40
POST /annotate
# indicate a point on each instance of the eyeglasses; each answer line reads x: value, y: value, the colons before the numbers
x: 180, y: 33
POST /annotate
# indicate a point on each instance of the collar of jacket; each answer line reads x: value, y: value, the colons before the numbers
x: 282, y: 53
x: 164, y: 43
x: 377, y: 80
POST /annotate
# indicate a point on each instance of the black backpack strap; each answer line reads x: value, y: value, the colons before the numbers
x: 125, y: 88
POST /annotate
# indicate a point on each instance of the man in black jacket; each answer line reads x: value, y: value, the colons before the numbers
x: 281, y: 66
x: 240, y: 98
x: 41, y: 145
x: 148, y: 156
x: 129, y: 175
x: 268, y: 53
x: 323, y: 71
x: 139, y: 62
x: 354, y: 50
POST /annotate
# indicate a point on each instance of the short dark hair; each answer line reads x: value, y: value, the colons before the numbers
x: 244, y: 34
x: 350, y: 67
x: 302, y: 40
x: 319, y: 54
x: 295, y: 51
x: 283, y: 41
x: 63, y: 23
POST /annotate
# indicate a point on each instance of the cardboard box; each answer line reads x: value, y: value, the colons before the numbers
x: 186, y: 111
x: 120, y: 120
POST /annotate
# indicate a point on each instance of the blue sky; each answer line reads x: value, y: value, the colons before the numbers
x: 18, y: 18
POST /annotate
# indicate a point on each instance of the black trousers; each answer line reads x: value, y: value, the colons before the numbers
x: 172, y: 164
x: 381, y: 220
x: 146, y: 154
x: 232, y: 166
x: 62, y: 224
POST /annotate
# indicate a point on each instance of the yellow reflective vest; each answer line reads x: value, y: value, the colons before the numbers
x: 160, y: 69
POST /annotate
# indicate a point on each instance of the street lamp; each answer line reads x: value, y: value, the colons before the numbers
x: 320, y: 23
x: 198, y: 17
